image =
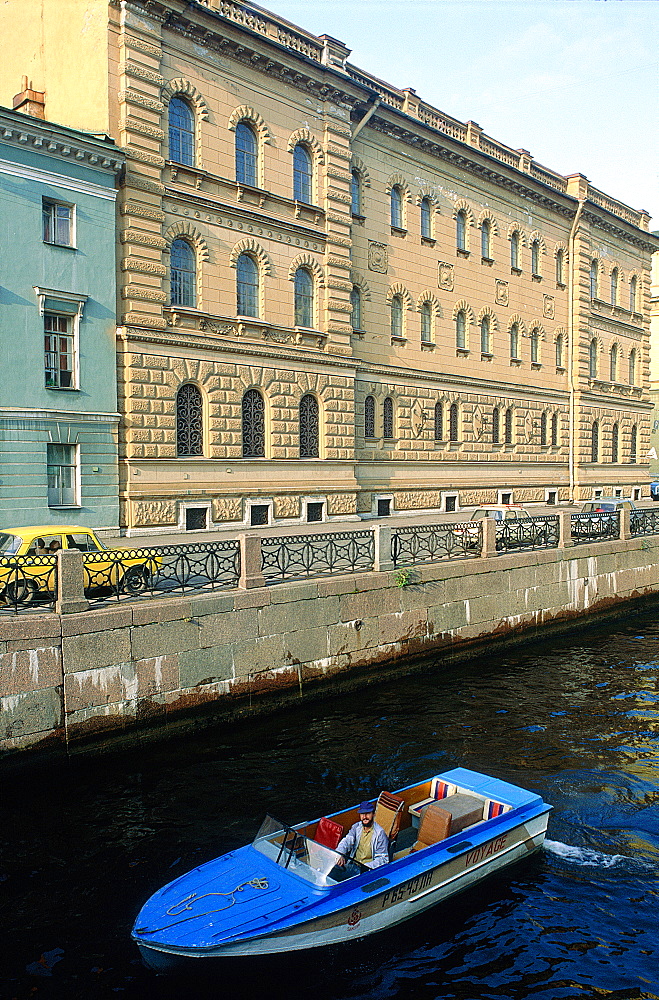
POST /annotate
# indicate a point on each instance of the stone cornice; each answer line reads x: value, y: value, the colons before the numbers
x: 44, y: 137
x: 617, y: 227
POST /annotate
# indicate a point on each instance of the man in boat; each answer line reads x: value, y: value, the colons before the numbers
x: 365, y: 842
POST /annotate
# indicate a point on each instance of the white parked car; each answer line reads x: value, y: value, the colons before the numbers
x: 518, y: 528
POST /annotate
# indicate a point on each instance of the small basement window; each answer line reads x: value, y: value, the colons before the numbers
x: 196, y: 518
x: 259, y: 514
x: 315, y: 511
x: 384, y: 508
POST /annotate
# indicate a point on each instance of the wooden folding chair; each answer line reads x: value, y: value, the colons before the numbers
x: 389, y: 813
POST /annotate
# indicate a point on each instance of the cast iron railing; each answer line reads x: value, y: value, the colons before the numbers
x: 289, y: 556
x: 426, y: 543
x: 644, y: 521
x: 27, y: 583
x: 160, y: 571
x: 595, y: 527
x: 527, y: 533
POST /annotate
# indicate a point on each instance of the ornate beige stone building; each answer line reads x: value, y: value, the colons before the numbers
x: 335, y: 299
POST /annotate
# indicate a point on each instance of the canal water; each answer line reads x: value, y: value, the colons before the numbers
x: 576, y: 720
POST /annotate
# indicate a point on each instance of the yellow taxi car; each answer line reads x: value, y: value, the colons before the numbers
x: 25, y: 575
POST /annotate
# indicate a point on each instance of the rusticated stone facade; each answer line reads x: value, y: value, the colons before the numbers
x: 475, y: 326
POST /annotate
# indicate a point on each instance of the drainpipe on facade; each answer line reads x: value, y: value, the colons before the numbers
x: 366, y: 118
x: 573, y: 341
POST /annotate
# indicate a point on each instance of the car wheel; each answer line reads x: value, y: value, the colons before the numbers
x: 21, y: 592
x: 134, y: 580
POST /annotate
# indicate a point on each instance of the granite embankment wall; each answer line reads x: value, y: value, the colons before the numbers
x: 67, y: 677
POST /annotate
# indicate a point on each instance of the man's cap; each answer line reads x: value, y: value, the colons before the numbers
x: 366, y: 807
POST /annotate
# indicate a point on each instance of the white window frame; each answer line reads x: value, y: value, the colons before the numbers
x: 551, y: 492
x: 52, y: 204
x: 48, y: 299
x: 186, y: 505
x: 450, y: 496
x: 507, y: 491
x: 75, y: 465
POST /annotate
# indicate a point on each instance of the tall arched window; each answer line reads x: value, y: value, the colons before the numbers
x: 356, y: 306
x: 632, y: 367
x: 535, y: 258
x: 633, y: 284
x: 189, y: 421
x: 595, y: 441
x: 514, y: 250
x: 426, y: 218
x: 508, y: 426
x: 614, y: 443
x: 181, y: 132
x: 633, y: 444
x: 439, y: 420
x: 309, y: 426
x: 246, y: 155
x: 388, y: 418
x: 453, y: 429
x: 247, y: 286
x: 355, y: 193
x: 495, y: 425
x: 426, y: 323
x: 614, y: 286
x: 369, y: 417
x: 559, y: 350
x: 303, y: 298
x: 560, y: 267
x: 593, y: 278
x: 543, y: 428
x: 514, y: 342
x: 613, y: 364
x: 183, y: 277
x: 302, y: 174
x: 253, y: 419
x: 535, y: 347
x: 592, y: 358
x: 396, y: 316
x: 461, y: 331
x: 486, y: 346
x: 486, y: 239
x: 461, y: 230
x: 396, y: 205
x: 554, y: 430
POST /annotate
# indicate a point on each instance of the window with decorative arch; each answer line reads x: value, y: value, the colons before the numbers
x: 508, y: 426
x: 486, y: 340
x: 439, y: 420
x: 633, y: 444
x: 615, y: 437
x: 426, y: 323
x: 396, y: 316
x: 535, y: 258
x: 633, y: 285
x: 253, y: 424
x: 554, y: 430
x: 496, y: 425
x: 426, y: 218
x: 302, y: 174
x: 183, y: 274
x: 453, y: 423
x: 632, y: 366
x: 592, y: 358
x: 560, y: 347
x: 613, y: 363
x: 614, y: 286
x: 543, y: 429
x: 304, y: 298
x: 181, y: 132
x: 560, y: 267
x: 396, y: 207
x: 356, y: 309
x: 247, y: 286
x: 309, y: 426
x: 461, y: 230
x: 535, y: 346
x: 514, y: 251
x: 514, y: 342
x: 595, y: 441
x: 247, y: 157
x: 189, y: 421
x: 388, y: 419
x: 356, y: 193
x: 594, y: 278
x: 461, y: 330
x: 486, y: 239
x: 369, y: 417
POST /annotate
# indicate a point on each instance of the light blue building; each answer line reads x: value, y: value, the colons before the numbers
x: 58, y: 387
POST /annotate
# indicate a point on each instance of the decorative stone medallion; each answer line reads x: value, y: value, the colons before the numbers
x: 377, y: 257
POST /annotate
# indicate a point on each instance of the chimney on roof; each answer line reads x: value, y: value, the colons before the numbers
x: 30, y: 102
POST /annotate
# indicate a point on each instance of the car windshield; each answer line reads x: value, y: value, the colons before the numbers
x: 9, y: 544
x: 290, y: 849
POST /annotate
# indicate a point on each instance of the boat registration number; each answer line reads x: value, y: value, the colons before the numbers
x: 407, y: 889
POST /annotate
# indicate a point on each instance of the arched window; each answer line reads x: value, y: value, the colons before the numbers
x: 593, y: 278
x: 439, y: 420
x: 356, y: 193
x: 535, y: 259
x: 495, y: 425
x: 461, y: 230
x: 302, y: 174
x: 514, y: 250
x: 461, y: 331
x: 453, y: 422
x: 632, y: 367
x: 614, y: 286
x: 396, y: 316
x: 633, y: 444
x: 303, y: 298
x: 426, y: 218
x: 181, y: 132
x: 614, y: 443
x: 369, y: 417
x: 388, y: 418
x: 559, y: 350
x: 535, y: 347
x: 560, y: 267
x: 633, y: 284
x: 253, y: 414
x: 543, y: 429
x: 247, y: 286
x: 486, y: 347
x: 514, y: 342
x: 189, y: 421
x: 595, y: 441
x: 486, y: 237
x: 592, y: 358
x: 396, y: 203
x: 554, y: 430
x: 182, y: 271
x: 426, y: 323
x: 246, y: 155
x: 309, y: 426
x: 356, y: 306
x: 613, y: 364
x: 508, y: 426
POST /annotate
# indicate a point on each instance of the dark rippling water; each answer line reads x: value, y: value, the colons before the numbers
x: 576, y: 720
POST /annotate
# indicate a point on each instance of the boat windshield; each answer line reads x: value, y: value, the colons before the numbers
x: 287, y: 847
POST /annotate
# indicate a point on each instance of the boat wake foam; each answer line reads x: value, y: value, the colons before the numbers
x: 585, y: 856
